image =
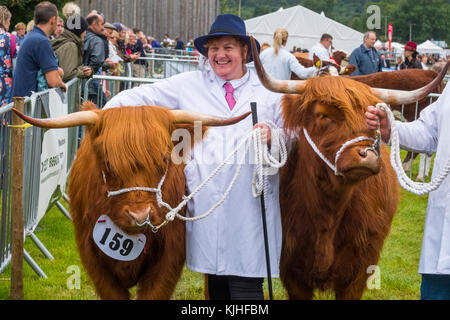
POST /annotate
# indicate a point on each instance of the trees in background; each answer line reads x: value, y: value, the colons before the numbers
x: 428, y: 18
x: 23, y: 10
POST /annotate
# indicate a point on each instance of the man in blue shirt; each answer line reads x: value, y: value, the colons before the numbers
x: 36, y: 54
x: 365, y: 57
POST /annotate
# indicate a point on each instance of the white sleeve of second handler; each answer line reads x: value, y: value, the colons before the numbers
x: 421, y: 135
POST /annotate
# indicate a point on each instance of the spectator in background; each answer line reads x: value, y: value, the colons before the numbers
x: 6, y: 57
x: 154, y: 43
x: 109, y: 29
x: 264, y: 46
x: 146, y: 45
x: 30, y: 26
x: 20, y: 37
x: 113, y: 49
x: 95, y: 54
x: 179, y: 44
x: 167, y: 42
x: 384, y: 62
x: 424, y: 61
x: 279, y: 62
x: 121, y: 46
x: 411, y: 61
x: 323, y: 49
x: 135, y: 47
x: 365, y: 57
x: 59, y: 28
x: 68, y: 47
x: 70, y: 8
x: 399, y: 63
x: 36, y: 54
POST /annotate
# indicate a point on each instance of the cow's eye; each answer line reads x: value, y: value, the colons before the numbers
x: 321, y: 116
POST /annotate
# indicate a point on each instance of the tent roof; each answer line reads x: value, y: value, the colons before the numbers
x: 429, y: 47
x: 305, y: 28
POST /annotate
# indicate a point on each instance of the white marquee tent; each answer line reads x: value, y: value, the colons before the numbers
x: 305, y: 28
x: 429, y: 47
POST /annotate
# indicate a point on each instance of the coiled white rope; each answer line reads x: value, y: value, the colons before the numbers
x: 418, y: 188
x: 264, y: 163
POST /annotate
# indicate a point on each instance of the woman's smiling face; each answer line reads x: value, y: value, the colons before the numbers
x: 226, y: 56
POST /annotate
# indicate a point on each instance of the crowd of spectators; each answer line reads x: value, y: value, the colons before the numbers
x: 36, y: 56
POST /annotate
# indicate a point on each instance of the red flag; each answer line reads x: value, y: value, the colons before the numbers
x: 390, y: 32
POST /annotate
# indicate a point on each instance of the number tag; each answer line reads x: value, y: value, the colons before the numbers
x: 115, y: 243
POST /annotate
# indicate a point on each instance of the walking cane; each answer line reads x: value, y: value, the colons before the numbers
x: 263, y: 213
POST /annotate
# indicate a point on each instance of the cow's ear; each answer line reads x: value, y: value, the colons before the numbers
x: 349, y: 69
x: 316, y: 61
x: 293, y: 112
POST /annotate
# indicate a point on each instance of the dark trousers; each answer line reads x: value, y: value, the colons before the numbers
x: 435, y: 287
x: 235, y: 288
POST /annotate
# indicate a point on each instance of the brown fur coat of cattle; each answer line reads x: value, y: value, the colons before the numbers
x: 132, y: 147
x: 333, y: 226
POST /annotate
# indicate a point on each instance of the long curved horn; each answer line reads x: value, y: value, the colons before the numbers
x: 405, y: 97
x: 281, y: 86
x: 184, y: 116
x: 71, y: 120
x: 90, y: 117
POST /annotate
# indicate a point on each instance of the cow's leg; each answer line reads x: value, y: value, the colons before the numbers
x: 159, y: 280
x: 421, y: 174
x: 106, y: 285
x: 296, y: 289
x: 354, y: 291
x: 407, y: 162
x: 297, y: 292
x: 428, y: 166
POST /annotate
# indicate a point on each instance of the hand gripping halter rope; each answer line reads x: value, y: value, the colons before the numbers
x: 264, y: 162
x: 418, y: 188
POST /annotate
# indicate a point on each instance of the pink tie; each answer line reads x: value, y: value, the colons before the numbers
x: 229, y: 95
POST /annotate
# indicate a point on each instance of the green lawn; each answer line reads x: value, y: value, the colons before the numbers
x: 398, y: 265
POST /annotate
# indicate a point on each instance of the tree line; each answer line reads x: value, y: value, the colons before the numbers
x: 422, y: 19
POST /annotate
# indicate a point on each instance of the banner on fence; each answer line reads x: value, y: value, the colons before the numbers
x: 53, y: 171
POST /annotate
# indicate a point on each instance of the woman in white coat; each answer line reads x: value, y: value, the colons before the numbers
x: 279, y: 62
x: 227, y: 245
x: 428, y: 134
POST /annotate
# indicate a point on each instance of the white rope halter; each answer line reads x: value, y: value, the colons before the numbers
x: 418, y: 188
x: 264, y: 161
x: 376, y: 143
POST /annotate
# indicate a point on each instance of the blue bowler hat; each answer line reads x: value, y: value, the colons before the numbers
x: 226, y: 25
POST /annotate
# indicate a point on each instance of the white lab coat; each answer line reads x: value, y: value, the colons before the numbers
x: 320, y: 51
x: 230, y: 240
x: 430, y: 134
x: 280, y: 66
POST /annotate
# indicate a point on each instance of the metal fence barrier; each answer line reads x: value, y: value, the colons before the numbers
x: 34, y: 107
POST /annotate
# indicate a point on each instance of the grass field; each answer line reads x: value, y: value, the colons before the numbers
x: 398, y: 265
